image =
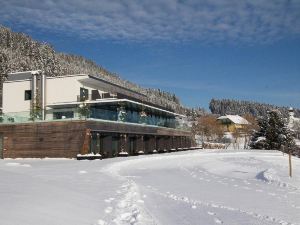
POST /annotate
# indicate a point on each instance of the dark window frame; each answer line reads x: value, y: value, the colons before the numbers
x: 28, y: 95
x: 84, y: 94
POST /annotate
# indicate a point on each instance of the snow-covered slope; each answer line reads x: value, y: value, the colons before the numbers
x: 195, y: 187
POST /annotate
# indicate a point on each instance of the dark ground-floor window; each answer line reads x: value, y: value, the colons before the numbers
x: 63, y: 115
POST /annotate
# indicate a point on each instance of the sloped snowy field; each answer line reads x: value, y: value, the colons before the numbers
x: 195, y: 187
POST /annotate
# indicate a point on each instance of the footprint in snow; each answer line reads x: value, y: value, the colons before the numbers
x: 101, y: 222
x: 109, y: 200
x: 125, y: 186
x: 82, y: 172
x: 108, y: 210
x: 218, y: 221
x: 122, y: 204
x: 246, y: 188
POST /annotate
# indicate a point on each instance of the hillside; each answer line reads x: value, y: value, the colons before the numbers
x: 19, y: 52
x: 229, y: 106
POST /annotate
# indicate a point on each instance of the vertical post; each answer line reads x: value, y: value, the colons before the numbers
x: 142, y: 143
x: 98, y: 143
x: 172, y: 142
x: 123, y: 140
x: 290, y: 164
x: 43, y: 94
x: 181, y: 142
x: 33, y: 91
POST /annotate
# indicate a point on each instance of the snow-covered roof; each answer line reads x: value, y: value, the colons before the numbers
x: 236, y: 119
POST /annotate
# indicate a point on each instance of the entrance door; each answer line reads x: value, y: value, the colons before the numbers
x: 1, y: 146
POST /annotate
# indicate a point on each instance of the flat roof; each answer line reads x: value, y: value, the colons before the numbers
x: 25, y: 75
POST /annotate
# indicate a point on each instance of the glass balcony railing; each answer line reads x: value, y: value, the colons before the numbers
x: 92, y: 114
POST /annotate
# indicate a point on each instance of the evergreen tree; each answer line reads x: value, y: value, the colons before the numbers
x: 273, y: 133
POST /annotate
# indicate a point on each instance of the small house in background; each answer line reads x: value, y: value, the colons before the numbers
x: 233, y: 122
x: 294, y: 124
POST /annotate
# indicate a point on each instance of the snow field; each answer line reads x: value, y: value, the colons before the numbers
x: 194, y: 187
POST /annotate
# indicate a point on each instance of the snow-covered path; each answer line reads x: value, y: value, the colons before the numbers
x: 195, y: 187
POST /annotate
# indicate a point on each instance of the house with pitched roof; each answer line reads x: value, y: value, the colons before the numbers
x: 232, y: 123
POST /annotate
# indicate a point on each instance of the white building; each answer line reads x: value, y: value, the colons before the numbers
x: 61, y: 97
x: 78, y: 115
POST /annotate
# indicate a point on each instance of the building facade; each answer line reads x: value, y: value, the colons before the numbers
x: 83, y: 115
x: 232, y: 123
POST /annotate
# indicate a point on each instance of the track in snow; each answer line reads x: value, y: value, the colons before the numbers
x: 195, y: 187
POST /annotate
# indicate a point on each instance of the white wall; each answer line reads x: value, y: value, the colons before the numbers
x: 58, y: 90
x: 14, y: 96
x: 63, y: 89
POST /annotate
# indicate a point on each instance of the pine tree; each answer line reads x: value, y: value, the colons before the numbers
x: 273, y: 133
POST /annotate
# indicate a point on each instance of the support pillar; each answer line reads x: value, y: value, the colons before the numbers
x: 123, y: 142
x: 98, y: 144
x: 140, y: 145
x: 173, y: 144
x: 152, y: 144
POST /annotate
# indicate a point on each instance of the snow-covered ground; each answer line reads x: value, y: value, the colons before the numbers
x: 195, y: 187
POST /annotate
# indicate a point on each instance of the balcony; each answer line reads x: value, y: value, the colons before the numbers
x: 94, y: 115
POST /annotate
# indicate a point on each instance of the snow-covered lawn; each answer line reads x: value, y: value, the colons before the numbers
x: 195, y: 187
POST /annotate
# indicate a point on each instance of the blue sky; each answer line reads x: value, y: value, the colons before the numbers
x: 198, y: 49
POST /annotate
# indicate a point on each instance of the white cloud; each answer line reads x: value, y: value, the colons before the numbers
x: 172, y: 20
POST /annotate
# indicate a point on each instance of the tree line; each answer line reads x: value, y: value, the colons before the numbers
x: 236, y: 107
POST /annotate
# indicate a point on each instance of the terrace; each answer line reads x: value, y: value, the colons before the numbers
x: 110, y: 110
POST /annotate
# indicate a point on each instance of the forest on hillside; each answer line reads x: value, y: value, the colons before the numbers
x: 19, y: 52
x: 230, y: 106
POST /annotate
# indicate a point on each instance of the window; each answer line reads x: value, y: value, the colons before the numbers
x: 63, y: 115
x: 95, y: 94
x: 84, y: 94
x: 27, y: 95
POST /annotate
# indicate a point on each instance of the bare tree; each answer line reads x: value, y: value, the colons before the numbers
x: 208, y: 128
